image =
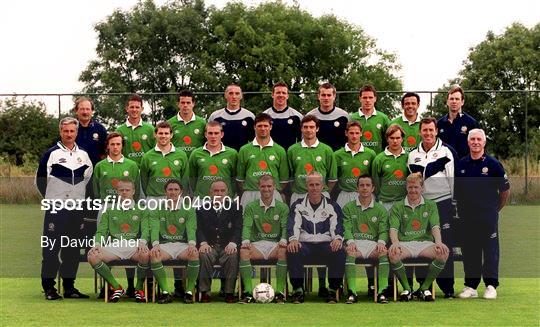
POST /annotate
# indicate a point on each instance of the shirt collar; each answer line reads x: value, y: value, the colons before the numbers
x: 212, y: 154
x: 370, y: 205
x: 63, y: 147
x: 388, y: 153
x: 433, y: 148
x: 362, y: 114
x: 255, y: 143
x: 121, y: 160
x: 410, y: 206
x: 304, y: 145
x: 189, y: 121
x: 347, y: 149
x: 128, y: 124
x: 408, y: 122
x: 159, y: 150
x: 272, y: 204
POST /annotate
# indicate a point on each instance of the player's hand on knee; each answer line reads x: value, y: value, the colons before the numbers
x: 155, y: 252
x: 294, y: 246
x: 381, y: 249
x: 336, y: 244
x: 395, y: 250
x: 282, y: 243
x: 204, y: 248
x: 442, y: 249
x: 246, y: 245
x: 191, y: 250
x: 231, y: 248
x: 351, y: 248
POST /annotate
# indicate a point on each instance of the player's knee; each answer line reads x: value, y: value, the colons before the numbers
x: 351, y: 253
x: 245, y: 254
x: 282, y: 254
x: 442, y: 257
x: 193, y: 256
x: 393, y: 257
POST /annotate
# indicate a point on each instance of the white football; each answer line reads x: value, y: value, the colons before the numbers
x: 263, y: 293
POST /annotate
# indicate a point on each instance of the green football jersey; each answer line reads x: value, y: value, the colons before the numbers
x: 369, y: 223
x: 389, y: 174
x: 414, y: 224
x: 157, y: 169
x: 373, y: 129
x: 303, y: 160
x: 188, y: 136
x: 107, y: 173
x: 206, y: 168
x: 168, y: 225
x: 351, y: 165
x: 122, y: 224
x: 265, y: 224
x: 255, y: 161
x: 138, y: 140
x: 412, y: 132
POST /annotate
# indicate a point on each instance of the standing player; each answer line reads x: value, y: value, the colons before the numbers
x: 261, y: 157
x: 436, y: 162
x: 63, y: 172
x: 237, y: 122
x: 285, y: 120
x: 415, y: 232
x: 482, y: 189
x: 456, y: 124
x: 373, y: 122
x: 172, y: 232
x: 264, y: 236
x: 91, y: 135
x: 390, y: 169
x: 332, y: 120
x: 366, y: 233
x: 353, y: 160
x: 162, y: 163
x: 409, y: 120
x: 188, y: 128
x: 138, y: 135
x: 127, y: 231
x: 211, y: 162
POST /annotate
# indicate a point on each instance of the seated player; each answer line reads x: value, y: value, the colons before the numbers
x: 365, y: 223
x: 264, y: 236
x: 172, y: 232
x: 127, y: 231
x: 415, y: 233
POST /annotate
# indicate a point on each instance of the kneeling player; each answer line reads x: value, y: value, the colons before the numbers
x: 172, y: 231
x: 127, y: 231
x: 415, y: 233
x: 366, y: 233
x: 264, y: 237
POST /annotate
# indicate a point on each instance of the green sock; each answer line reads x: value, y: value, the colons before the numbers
x: 281, y: 276
x: 104, y: 271
x: 399, y: 270
x: 245, y: 273
x: 192, y: 273
x: 435, y: 269
x: 350, y: 273
x: 382, y: 274
x: 141, y: 275
x: 159, y: 272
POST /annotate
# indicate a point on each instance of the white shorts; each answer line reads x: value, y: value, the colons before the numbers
x: 174, y: 249
x: 124, y: 252
x: 416, y: 247
x: 365, y: 247
x: 296, y: 196
x: 250, y: 196
x: 265, y: 247
x: 346, y: 197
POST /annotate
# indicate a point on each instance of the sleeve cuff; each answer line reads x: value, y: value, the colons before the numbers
x: 192, y: 242
x: 143, y: 241
x: 155, y: 243
x: 232, y: 244
x: 203, y: 243
x: 246, y: 241
x: 383, y: 242
x: 283, y: 241
x: 338, y: 237
x: 293, y: 238
x: 349, y: 242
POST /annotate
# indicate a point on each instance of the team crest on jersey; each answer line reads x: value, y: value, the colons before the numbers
x: 114, y: 218
x: 51, y: 227
x: 95, y: 136
x: 425, y: 214
x: 252, y: 156
x: 176, y: 162
x: 463, y: 171
x: 365, y: 162
x: 224, y: 161
x: 374, y: 219
x: 126, y: 173
x: 485, y: 171
x: 318, y: 158
x: 202, y: 160
x: 289, y: 121
x: 105, y: 173
x: 135, y: 218
x: 272, y: 157
x: 344, y: 163
x: 298, y: 158
x: 435, y: 155
x: 387, y: 166
x: 463, y: 129
x: 144, y: 136
x: 125, y: 138
x: 154, y: 162
x: 244, y: 123
x: 176, y: 132
x: 79, y: 159
x: 441, y: 130
x: 336, y: 123
x: 378, y: 126
x: 161, y: 218
x: 405, y: 216
x: 196, y: 131
x: 324, y: 214
x: 181, y: 220
x: 276, y: 217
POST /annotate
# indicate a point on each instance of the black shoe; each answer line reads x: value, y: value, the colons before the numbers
x: 381, y: 298
x: 246, y: 298
x: 449, y: 295
x: 229, y: 298
x: 188, y: 297
x: 280, y: 298
x: 165, y: 298
x: 417, y: 295
x: 52, y: 295
x: 388, y: 292
x: 101, y: 294
x: 74, y: 294
x: 130, y: 292
x: 371, y: 291
x: 351, y: 298
x: 405, y: 296
x: 427, y: 296
x: 179, y: 293
x: 298, y: 297
x: 323, y: 292
x: 332, y: 297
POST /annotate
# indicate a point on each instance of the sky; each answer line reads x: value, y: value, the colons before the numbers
x: 46, y: 44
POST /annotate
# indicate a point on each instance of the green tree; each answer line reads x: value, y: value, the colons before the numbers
x: 27, y: 130
x: 508, y: 64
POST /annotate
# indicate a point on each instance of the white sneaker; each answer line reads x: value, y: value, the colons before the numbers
x: 468, y: 293
x: 490, y: 293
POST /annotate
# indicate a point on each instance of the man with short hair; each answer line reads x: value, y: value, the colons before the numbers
x: 456, y: 124
x: 219, y: 230
x: 211, y: 162
x: 366, y: 233
x: 332, y: 120
x: 91, y: 134
x: 285, y: 120
x: 162, y: 163
x: 353, y: 160
x: 122, y: 235
x: 415, y: 233
x: 374, y: 123
x: 264, y: 237
x: 63, y: 173
x: 482, y: 189
x: 237, y: 122
x: 138, y: 135
x: 172, y: 233
x: 315, y: 231
x: 409, y: 120
x: 188, y: 128
x: 258, y: 158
